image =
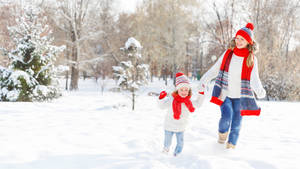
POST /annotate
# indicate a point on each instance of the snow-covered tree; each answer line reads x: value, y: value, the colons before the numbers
x: 31, y: 73
x: 132, y: 74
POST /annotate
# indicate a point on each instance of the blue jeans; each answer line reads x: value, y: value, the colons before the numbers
x: 168, y: 141
x: 231, y: 118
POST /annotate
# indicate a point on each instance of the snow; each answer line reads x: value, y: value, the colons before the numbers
x: 15, y: 75
x: 132, y: 42
x: 88, y: 130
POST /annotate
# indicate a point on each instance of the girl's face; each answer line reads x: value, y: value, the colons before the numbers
x: 240, y: 42
x: 183, y: 92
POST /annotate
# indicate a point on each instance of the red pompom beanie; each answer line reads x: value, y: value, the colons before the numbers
x: 246, y: 32
x: 181, y: 81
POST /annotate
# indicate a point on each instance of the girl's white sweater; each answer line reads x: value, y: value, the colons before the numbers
x: 172, y: 124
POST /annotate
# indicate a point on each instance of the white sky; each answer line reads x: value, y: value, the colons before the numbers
x: 126, y: 5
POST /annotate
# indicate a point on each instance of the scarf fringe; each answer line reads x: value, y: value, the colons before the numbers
x: 216, y: 100
x: 250, y: 112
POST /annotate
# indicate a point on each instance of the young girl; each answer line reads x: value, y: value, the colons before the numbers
x: 236, y: 74
x: 178, y: 106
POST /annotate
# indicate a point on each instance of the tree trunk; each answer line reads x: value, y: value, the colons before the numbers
x: 74, y: 67
x: 174, y: 74
x: 165, y: 76
x: 67, y: 78
x: 151, y: 72
x: 166, y: 80
x: 67, y: 72
x: 74, y: 78
x: 133, y: 99
x: 74, y: 71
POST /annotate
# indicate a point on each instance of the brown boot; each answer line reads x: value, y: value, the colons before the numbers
x: 230, y: 146
x: 222, y: 137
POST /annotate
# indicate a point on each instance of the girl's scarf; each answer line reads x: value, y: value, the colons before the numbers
x: 177, y: 105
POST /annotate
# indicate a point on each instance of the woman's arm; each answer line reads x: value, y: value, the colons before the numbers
x: 255, y: 81
x: 211, y: 73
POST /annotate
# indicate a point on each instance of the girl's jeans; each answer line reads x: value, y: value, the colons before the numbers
x: 168, y: 141
x: 231, y: 118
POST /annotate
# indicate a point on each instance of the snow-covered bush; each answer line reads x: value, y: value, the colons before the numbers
x: 279, y: 86
x: 31, y: 75
x: 132, y: 74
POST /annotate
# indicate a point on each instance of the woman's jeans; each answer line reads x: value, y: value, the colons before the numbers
x: 168, y: 141
x: 231, y: 118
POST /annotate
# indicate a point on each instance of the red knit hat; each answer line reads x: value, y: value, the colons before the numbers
x: 246, y: 32
x: 181, y: 81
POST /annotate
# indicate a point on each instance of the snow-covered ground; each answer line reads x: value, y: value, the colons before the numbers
x: 88, y: 130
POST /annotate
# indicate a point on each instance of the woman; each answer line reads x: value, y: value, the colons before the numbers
x: 236, y: 73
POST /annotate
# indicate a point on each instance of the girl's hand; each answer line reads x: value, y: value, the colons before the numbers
x: 162, y: 95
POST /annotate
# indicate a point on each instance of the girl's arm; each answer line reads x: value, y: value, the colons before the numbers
x: 255, y: 81
x: 211, y: 73
x: 198, y: 101
x: 164, y: 102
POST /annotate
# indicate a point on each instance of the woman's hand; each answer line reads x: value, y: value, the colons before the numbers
x: 261, y: 94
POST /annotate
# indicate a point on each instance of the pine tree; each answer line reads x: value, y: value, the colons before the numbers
x: 31, y: 73
x: 132, y: 74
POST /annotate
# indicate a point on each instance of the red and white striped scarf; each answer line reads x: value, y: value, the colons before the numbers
x: 248, y: 102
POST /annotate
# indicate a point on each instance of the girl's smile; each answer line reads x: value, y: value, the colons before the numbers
x: 240, y: 42
x: 183, y: 92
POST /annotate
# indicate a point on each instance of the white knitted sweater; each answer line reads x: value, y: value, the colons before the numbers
x: 234, y: 77
x: 172, y: 124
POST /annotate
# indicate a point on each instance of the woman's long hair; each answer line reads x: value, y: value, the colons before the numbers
x: 252, y: 50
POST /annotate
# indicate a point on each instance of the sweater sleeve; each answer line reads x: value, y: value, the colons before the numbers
x: 255, y: 81
x: 211, y: 73
x: 164, y: 103
x: 198, y: 101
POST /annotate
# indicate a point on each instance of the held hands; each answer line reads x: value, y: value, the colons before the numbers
x: 162, y: 95
x: 201, y: 89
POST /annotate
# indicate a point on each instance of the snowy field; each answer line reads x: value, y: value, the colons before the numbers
x: 88, y: 130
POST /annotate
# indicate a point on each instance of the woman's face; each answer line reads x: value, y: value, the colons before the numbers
x: 183, y: 92
x: 240, y: 42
